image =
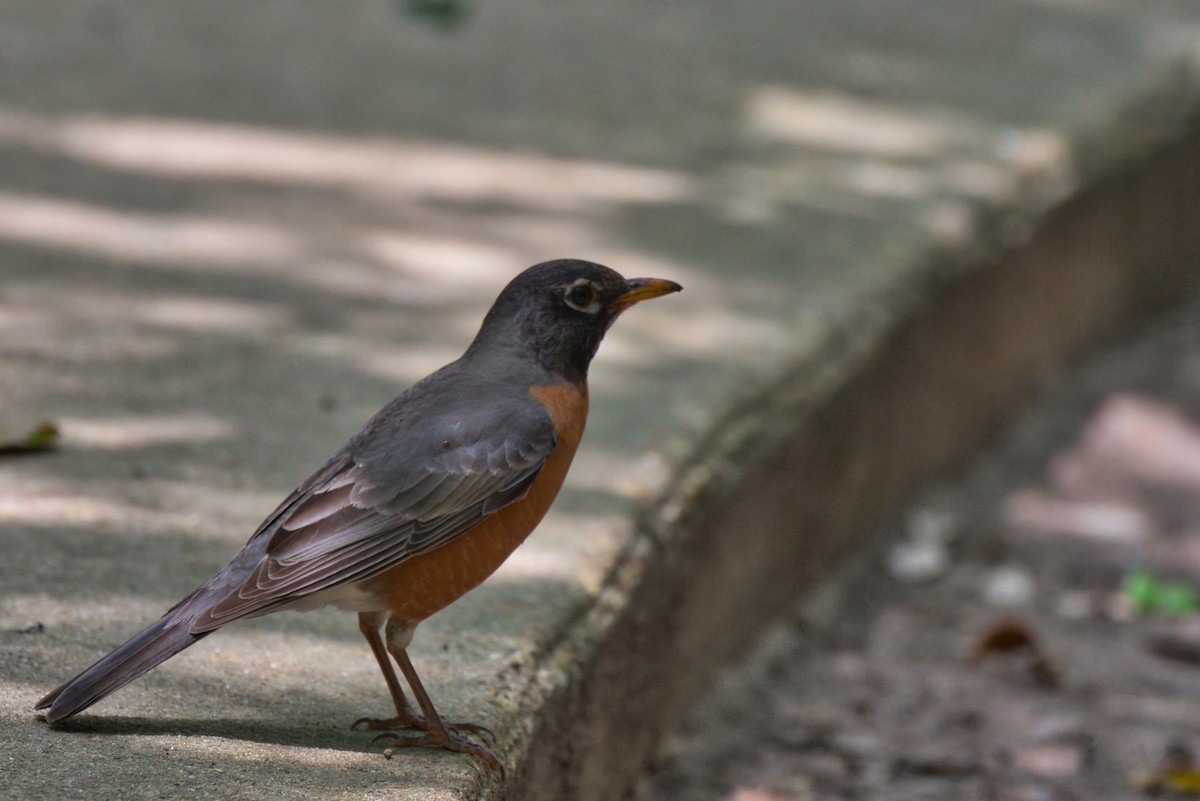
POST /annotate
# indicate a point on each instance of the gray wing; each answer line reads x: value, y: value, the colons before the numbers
x: 411, y: 481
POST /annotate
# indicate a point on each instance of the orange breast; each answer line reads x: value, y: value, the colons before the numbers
x: 420, y: 586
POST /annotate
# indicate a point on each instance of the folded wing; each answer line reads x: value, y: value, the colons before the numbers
x: 397, y: 490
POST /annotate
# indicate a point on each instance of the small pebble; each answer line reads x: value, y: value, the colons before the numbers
x: 924, y: 556
x: 917, y: 562
x: 1008, y: 587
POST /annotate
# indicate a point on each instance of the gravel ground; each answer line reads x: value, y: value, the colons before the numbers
x: 1025, y: 631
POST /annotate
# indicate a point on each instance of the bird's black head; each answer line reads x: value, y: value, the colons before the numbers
x: 558, y: 311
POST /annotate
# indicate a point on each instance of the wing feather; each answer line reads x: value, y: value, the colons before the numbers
x: 394, y: 492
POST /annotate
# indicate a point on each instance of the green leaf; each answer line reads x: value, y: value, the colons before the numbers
x: 40, y: 440
x: 1148, y: 594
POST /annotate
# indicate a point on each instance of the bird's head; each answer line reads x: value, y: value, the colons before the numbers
x: 558, y: 311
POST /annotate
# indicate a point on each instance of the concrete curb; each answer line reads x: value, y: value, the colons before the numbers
x: 797, y: 474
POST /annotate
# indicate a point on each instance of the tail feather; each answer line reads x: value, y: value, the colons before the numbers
x: 157, y: 643
x: 160, y: 641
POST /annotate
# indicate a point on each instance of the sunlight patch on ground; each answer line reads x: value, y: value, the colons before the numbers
x: 457, y: 264
x: 14, y: 319
x: 77, y: 510
x: 850, y: 152
x: 404, y: 168
x: 207, y: 315
x: 136, y: 508
x: 156, y: 238
x: 845, y: 123
x: 121, y: 613
x: 854, y: 186
x: 108, y: 516
x: 115, y: 433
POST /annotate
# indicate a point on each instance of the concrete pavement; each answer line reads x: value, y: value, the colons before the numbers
x: 229, y: 233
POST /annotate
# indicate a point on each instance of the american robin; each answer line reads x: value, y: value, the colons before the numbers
x: 422, y: 504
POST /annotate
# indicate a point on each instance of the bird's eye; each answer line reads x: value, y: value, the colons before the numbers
x: 581, y: 296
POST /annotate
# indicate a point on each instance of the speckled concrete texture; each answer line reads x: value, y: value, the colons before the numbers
x: 229, y: 232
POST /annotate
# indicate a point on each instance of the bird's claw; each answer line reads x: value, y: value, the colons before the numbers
x: 419, y: 724
x: 449, y: 739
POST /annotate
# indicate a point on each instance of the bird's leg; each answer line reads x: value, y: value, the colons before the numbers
x: 446, y: 735
x: 369, y: 623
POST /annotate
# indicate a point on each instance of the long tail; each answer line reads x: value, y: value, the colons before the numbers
x: 162, y: 639
x: 157, y: 643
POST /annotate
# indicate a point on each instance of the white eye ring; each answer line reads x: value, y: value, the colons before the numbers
x: 582, y: 296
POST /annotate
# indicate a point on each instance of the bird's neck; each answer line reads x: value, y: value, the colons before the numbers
x: 521, y: 362
x: 547, y: 350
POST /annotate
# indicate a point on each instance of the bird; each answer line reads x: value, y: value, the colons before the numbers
x: 421, y: 505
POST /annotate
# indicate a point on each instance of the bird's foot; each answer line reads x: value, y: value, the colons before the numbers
x: 420, y: 724
x: 448, y: 738
x: 384, y: 724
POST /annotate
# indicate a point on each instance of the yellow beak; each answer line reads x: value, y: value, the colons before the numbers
x: 642, y: 289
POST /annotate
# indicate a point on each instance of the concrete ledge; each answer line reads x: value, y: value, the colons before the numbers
x: 797, y: 475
